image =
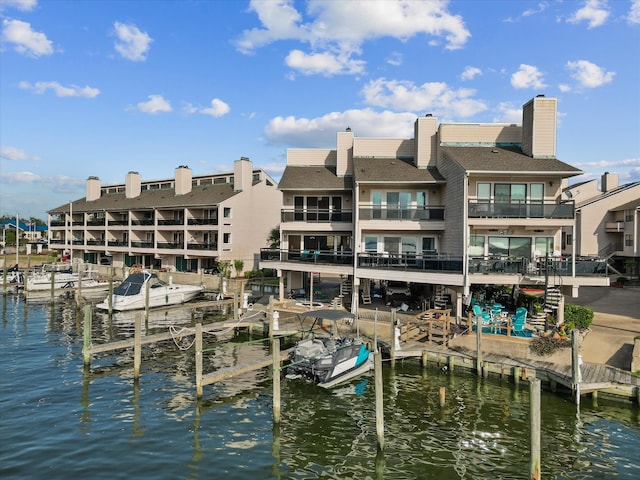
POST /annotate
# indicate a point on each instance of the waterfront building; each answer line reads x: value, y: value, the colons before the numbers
x: 187, y: 223
x: 607, y: 222
x: 457, y: 206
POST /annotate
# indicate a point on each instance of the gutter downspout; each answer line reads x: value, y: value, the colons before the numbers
x: 355, y: 248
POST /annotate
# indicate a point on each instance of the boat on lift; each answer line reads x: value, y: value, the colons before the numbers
x: 63, y: 276
x: 323, y: 356
x: 131, y: 294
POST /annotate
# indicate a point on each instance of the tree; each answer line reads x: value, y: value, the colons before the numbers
x: 274, y: 237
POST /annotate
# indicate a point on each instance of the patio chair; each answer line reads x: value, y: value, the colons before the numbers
x: 480, y: 316
x: 518, y: 322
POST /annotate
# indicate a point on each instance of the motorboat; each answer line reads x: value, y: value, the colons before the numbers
x: 63, y: 277
x: 323, y: 356
x: 131, y: 294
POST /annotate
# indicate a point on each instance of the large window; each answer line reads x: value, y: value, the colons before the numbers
x: 543, y: 246
x: 510, y: 246
x: 476, y: 246
x: 510, y: 192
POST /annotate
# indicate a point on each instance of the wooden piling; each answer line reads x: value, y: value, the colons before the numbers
x: 575, y: 364
x: 146, y: 301
x: 534, y: 399
x: 517, y: 373
x: 110, y: 297
x: 87, y: 335
x: 275, y: 349
x: 53, y: 287
x: 479, y: 348
x: 442, y: 395
x: 379, y: 400
x: 393, y: 338
x: 199, y: 389
x: 425, y: 359
x: 137, y: 346
x: 451, y: 362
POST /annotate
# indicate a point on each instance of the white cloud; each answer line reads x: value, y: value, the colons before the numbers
x: 395, y: 59
x: 22, y: 5
x: 470, y: 73
x: 433, y: 97
x: 25, y: 40
x: 507, y: 113
x: 540, y: 7
x: 527, y: 77
x: 61, y: 91
x: 325, y: 63
x: 320, y: 132
x: 132, y: 44
x: 594, y: 12
x: 334, y: 37
x: 156, y: 104
x: 588, y: 74
x: 15, y: 154
x: 217, y: 109
x: 55, y: 183
x: 634, y: 13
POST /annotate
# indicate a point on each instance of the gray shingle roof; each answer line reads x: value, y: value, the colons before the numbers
x: 392, y: 170
x: 207, y: 195
x: 314, y: 178
x: 506, y: 159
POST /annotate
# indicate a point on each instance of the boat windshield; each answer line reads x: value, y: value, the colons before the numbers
x: 132, y: 285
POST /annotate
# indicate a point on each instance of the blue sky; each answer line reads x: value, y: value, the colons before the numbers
x: 101, y: 88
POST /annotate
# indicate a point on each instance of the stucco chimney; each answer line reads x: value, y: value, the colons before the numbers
x: 242, y: 174
x: 609, y: 181
x: 425, y: 129
x: 344, y: 153
x: 539, y: 123
x: 184, y: 180
x: 93, y: 189
x: 132, y: 185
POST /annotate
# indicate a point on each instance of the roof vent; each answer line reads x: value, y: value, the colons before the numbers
x: 348, y: 129
x: 429, y: 115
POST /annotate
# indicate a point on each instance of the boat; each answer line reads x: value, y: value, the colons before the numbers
x: 63, y: 278
x: 12, y: 276
x: 131, y: 294
x: 323, y: 356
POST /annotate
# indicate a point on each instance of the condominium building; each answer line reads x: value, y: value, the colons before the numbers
x: 185, y: 223
x: 607, y: 222
x: 456, y: 206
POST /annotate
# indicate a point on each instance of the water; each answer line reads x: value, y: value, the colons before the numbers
x: 59, y: 421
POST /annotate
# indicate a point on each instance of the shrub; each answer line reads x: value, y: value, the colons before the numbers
x: 543, y: 346
x: 578, y: 317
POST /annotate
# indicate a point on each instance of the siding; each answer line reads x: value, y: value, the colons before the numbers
x: 383, y: 147
x: 303, y: 157
x: 478, y: 133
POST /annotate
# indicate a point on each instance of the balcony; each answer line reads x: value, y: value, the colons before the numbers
x: 96, y: 222
x: 584, y: 266
x: 138, y: 244
x: 58, y: 223
x: 404, y: 213
x: 170, y: 245
x: 143, y: 222
x: 173, y: 221
x: 96, y: 242
x: 550, y: 210
x: 326, y: 257
x: 202, y: 246
x: 315, y: 215
x: 117, y: 243
x: 614, y: 227
x: 118, y: 223
x: 442, y: 263
x: 202, y: 221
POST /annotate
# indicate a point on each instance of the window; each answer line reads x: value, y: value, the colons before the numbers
x: 227, y: 212
x: 428, y: 245
x: 226, y: 238
x: 476, y: 246
x: 510, y: 192
x: 628, y: 240
x: 543, y: 246
x: 370, y: 243
x: 393, y: 202
x: 376, y: 199
x: 484, y: 192
x: 510, y: 246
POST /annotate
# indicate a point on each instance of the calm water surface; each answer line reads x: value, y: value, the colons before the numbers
x: 58, y: 420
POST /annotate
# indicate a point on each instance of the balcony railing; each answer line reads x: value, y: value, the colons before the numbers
x: 411, y: 261
x: 585, y: 266
x: 308, y: 256
x: 96, y: 222
x: 493, y: 209
x: 173, y: 221
x: 98, y: 242
x: 315, y: 215
x: 401, y: 213
x: 170, y: 245
x: 58, y: 223
x: 117, y: 243
x: 142, y: 222
x: 118, y: 223
x: 202, y: 221
x: 202, y: 246
x: 141, y: 244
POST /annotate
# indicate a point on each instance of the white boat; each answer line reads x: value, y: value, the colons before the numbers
x: 12, y: 277
x: 63, y: 279
x: 326, y: 358
x: 131, y: 294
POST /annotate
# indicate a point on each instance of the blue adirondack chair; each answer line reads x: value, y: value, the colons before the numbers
x: 481, y: 317
x: 518, y: 322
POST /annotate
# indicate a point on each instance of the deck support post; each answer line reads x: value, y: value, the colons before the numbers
x: 392, y: 343
x: 479, y: 348
x: 575, y: 365
x: 137, y: 346
x: 87, y: 335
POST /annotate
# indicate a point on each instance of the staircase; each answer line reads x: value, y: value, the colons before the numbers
x: 346, y: 287
x: 440, y: 298
x: 366, y: 292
